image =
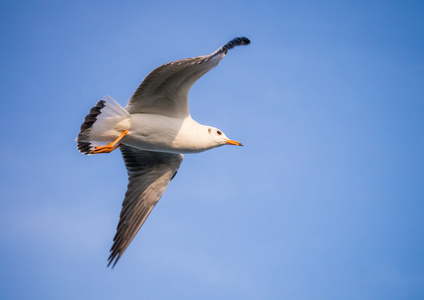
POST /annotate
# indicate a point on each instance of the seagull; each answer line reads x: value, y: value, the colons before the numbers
x: 152, y: 132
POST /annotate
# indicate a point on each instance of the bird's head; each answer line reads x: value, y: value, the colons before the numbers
x: 220, y: 139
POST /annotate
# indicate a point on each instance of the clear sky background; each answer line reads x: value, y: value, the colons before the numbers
x: 325, y: 201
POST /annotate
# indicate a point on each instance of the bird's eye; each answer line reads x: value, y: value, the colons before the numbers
x: 219, y: 132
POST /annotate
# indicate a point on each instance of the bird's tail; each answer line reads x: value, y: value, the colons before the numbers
x: 96, y: 121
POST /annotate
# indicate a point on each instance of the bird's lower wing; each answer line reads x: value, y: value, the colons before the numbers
x: 164, y: 91
x: 149, y: 174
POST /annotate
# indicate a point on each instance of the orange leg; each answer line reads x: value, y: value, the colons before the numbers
x: 111, y: 146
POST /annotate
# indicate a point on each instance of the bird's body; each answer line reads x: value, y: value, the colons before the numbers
x: 152, y: 132
x: 176, y: 135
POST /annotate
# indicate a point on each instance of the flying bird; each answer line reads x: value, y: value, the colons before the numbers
x: 152, y: 132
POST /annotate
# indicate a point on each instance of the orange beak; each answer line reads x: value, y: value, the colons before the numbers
x: 231, y: 142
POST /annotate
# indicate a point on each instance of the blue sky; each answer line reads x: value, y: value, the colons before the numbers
x: 325, y: 201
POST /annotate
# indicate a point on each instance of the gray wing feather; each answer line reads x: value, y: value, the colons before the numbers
x: 149, y: 174
x: 165, y: 90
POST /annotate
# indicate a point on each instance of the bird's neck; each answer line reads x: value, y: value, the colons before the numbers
x: 193, y: 137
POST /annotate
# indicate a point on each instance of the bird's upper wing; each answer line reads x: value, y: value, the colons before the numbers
x: 164, y: 91
x: 149, y: 174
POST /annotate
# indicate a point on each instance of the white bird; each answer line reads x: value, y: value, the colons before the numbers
x: 152, y: 132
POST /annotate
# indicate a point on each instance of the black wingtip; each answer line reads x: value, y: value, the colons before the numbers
x: 113, y: 259
x: 243, y: 40
x: 92, y: 115
x: 238, y: 41
x: 83, y: 146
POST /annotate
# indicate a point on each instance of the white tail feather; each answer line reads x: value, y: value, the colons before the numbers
x: 98, y: 124
x: 113, y: 108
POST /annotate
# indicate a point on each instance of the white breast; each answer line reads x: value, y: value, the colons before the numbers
x: 160, y: 133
